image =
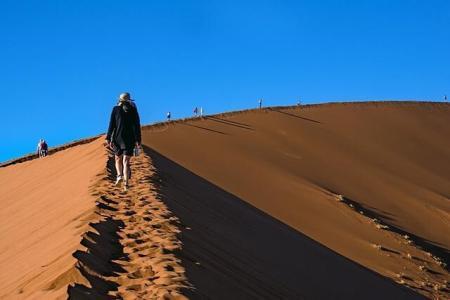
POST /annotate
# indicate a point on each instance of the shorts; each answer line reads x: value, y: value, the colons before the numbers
x: 128, y: 150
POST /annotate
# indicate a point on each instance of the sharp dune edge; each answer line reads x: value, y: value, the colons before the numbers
x: 342, y: 201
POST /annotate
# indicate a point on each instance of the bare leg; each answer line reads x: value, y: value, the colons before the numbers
x: 126, y: 168
x: 119, y: 165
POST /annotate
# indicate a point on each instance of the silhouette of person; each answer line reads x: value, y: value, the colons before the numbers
x: 124, y: 134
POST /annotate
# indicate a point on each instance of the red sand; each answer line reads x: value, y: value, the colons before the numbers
x: 391, y: 158
x: 327, y: 201
x: 45, y: 207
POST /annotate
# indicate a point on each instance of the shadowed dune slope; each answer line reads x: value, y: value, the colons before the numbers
x: 45, y: 207
x: 389, y: 161
x: 232, y: 250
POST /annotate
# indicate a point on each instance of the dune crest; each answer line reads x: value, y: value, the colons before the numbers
x: 339, y: 201
x: 391, y: 161
x: 130, y: 248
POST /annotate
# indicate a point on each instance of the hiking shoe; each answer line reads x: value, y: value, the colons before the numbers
x: 125, y: 186
x: 119, y: 179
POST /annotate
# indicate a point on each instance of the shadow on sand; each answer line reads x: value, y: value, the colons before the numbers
x: 229, y: 122
x: 102, y: 248
x: 294, y: 116
x: 204, y: 128
x: 232, y: 250
x: 426, y: 245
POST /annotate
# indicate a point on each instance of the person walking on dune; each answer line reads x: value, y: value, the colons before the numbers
x: 124, y: 134
x: 42, y: 148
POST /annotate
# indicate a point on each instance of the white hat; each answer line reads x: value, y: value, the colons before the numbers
x: 125, y: 97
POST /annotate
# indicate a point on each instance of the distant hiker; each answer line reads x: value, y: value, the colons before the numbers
x: 38, y: 148
x: 42, y: 148
x: 299, y: 103
x: 196, y: 111
x: 124, y: 134
x: 445, y: 98
x: 168, y: 116
x: 260, y: 103
x: 201, y: 111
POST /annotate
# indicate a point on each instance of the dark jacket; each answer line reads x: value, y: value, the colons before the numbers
x: 124, y: 126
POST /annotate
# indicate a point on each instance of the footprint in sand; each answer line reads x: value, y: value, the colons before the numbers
x: 146, y: 247
x: 134, y: 287
x: 134, y: 235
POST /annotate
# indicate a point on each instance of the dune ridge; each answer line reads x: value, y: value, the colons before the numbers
x: 397, y: 103
x: 51, y: 150
x: 391, y: 159
x: 156, y: 125
x: 232, y: 250
x: 340, y: 200
x: 130, y: 248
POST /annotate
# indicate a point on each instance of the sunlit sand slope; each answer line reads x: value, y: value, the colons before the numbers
x: 45, y: 206
x: 371, y: 181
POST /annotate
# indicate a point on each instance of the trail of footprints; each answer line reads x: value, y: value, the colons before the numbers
x: 433, y: 274
x: 149, y: 238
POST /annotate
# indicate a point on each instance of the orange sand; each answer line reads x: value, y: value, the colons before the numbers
x: 391, y: 158
x: 45, y: 206
x: 325, y: 201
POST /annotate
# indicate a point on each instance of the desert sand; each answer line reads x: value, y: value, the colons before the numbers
x: 45, y: 208
x: 324, y: 201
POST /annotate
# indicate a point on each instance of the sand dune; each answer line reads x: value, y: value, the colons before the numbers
x: 45, y: 207
x: 232, y: 250
x: 130, y: 249
x: 339, y: 201
x: 393, y: 159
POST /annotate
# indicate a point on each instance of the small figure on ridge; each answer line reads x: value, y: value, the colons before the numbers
x: 42, y: 148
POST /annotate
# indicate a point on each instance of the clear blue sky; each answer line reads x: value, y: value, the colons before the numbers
x: 63, y: 63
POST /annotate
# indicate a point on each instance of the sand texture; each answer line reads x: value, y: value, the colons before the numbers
x: 130, y: 249
x: 45, y: 207
x: 334, y: 201
x: 370, y: 181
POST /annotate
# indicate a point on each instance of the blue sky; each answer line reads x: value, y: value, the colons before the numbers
x: 64, y: 62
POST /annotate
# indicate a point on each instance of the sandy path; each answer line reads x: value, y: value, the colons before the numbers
x: 130, y: 250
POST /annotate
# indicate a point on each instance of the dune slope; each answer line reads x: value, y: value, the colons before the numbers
x: 231, y: 250
x: 130, y: 248
x: 371, y: 181
x: 45, y: 207
x: 334, y: 201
